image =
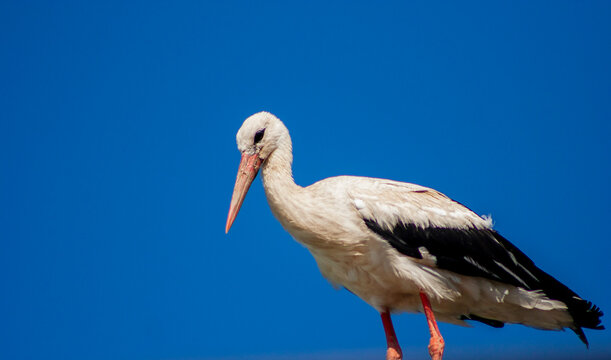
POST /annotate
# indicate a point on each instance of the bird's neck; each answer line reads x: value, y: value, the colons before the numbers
x: 280, y: 188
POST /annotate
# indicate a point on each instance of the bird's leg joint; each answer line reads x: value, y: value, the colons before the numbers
x: 436, y: 344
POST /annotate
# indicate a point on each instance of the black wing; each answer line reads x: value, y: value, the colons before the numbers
x: 485, y: 253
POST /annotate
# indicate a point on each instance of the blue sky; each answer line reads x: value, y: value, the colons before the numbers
x: 118, y: 156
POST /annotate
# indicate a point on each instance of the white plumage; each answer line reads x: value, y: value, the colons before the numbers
x: 351, y: 256
x: 388, y: 242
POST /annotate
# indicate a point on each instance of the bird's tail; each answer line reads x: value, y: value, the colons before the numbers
x: 585, y: 315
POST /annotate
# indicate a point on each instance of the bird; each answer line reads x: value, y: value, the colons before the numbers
x: 403, y: 247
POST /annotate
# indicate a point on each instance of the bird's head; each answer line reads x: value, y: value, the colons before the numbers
x: 259, y: 136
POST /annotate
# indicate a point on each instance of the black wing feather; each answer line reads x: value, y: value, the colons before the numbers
x: 485, y: 253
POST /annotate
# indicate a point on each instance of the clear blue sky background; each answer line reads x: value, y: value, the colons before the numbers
x: 117, y: 160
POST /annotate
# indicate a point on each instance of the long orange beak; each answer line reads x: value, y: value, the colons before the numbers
x: 247, y: 172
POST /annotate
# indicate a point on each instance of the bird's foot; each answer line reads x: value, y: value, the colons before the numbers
x: 436, y: 347
x: 394, y: 353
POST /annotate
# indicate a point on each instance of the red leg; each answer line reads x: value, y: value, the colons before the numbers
x: 394, y: 350
x: 436, y: 345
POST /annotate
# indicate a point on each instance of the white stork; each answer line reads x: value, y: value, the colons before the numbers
x: 405, y: 247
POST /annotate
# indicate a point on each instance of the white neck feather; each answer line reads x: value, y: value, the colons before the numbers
x: 280, y: 188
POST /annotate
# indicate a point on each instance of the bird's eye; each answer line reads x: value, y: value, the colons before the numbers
x: 259, y: 135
